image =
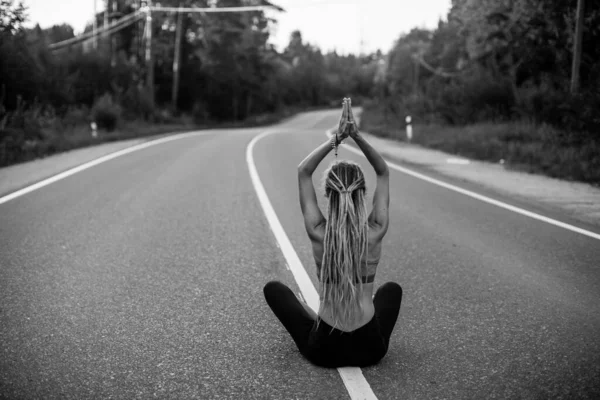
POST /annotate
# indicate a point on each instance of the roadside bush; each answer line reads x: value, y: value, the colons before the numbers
x: 106, y: 113
x: 11, y: 143
x: 136, y: 102
x: 468, y: 99
x: 523, y: 144
x: 581, y: 114
x: 200, y: 112
x: 578, y: 113
x: 22, y: 132
x: 75, y: 116
x: 471, y: 98
x: 540, y: 103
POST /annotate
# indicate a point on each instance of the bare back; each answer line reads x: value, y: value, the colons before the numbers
x: 368, y: 268
x: 378, y: 220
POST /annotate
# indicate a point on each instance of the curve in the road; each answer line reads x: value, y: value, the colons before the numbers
x: 439, y: 183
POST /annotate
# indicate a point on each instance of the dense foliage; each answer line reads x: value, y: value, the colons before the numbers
x: 490, y: 61
x: 498, y: 60
x: 229, y: 72
x: 228, y: 68
x: 493, y: 82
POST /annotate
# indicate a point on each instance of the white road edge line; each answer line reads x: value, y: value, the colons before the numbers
x: 481, y: 197
x: 355, y: 382
x: 97, y: 161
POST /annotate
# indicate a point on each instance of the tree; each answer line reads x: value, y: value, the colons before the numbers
x: 12, y: 16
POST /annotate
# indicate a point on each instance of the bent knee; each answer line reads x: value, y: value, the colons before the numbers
x: 392, y: 287
x: 270, y: 287
x: 274, y: 290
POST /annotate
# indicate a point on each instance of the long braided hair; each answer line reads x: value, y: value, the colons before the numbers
x: 345, y: 241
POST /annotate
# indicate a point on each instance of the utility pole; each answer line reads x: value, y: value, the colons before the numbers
x: 139, y: 47
x: 149, y: 56
x: 113, y: 38
x: 95, y: 24
x: 179, y: 10
x: 106, y: 14
x: 177, y: 58
x: 577, y: 47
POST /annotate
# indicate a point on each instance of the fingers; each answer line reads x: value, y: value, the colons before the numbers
x: 343, y: 127
x: 348, y: 102
x: 348, y: 108
x: 347, y: 126
x: 350, y: 114
x: 351, y: 128
x: 342, y: 124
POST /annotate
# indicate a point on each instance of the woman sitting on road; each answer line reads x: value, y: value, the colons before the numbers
x: 352, y: 327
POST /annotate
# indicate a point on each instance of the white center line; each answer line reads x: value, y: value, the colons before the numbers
x: 480, y: 197
x: 354, y: 380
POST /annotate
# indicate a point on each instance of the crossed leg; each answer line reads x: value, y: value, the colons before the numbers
x: 387, y: 301
x: 297, y: 318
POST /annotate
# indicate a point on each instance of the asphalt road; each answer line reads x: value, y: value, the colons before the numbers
x: 142, y: 277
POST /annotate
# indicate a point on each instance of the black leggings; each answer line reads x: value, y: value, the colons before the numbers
x: 326, y: 346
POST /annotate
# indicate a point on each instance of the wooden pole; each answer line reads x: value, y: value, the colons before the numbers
x: 149, y: 56
x: 113, y: 37
x: 177, y: 59
x: 577, y: 47
x: 107, y: 2
x: 95, y: 24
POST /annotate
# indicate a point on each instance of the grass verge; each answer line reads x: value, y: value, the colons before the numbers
x: 522, y: 145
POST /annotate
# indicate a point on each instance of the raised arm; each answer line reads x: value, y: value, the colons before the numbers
x: 379, y: 217
x: 313, y: 217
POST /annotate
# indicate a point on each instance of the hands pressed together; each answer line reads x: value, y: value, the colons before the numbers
x: 347, y: 126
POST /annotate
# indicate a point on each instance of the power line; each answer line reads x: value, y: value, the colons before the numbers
x: 210, y: 9
x: 305, y: 3
x: 111, y: 28
x: 122, y: 23
x: 147, y: 12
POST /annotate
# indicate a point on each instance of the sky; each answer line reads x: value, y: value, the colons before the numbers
x: 340, y: 25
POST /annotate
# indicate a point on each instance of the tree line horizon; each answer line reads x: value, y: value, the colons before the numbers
x: 489, y: 60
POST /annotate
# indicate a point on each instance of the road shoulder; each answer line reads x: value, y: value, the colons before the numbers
x: 18, y: 176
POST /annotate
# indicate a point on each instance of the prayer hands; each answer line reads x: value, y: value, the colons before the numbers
x: 347, y: 126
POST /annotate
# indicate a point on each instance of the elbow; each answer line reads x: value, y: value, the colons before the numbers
x: 302, y: 170
x: 385, y: 171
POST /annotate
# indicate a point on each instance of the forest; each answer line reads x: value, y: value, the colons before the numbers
x: 492, y: 81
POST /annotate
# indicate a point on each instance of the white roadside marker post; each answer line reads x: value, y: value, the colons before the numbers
x: 94, y: 127
x: 409, y: 132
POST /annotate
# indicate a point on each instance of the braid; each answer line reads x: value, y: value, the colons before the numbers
x: 345, y: 242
